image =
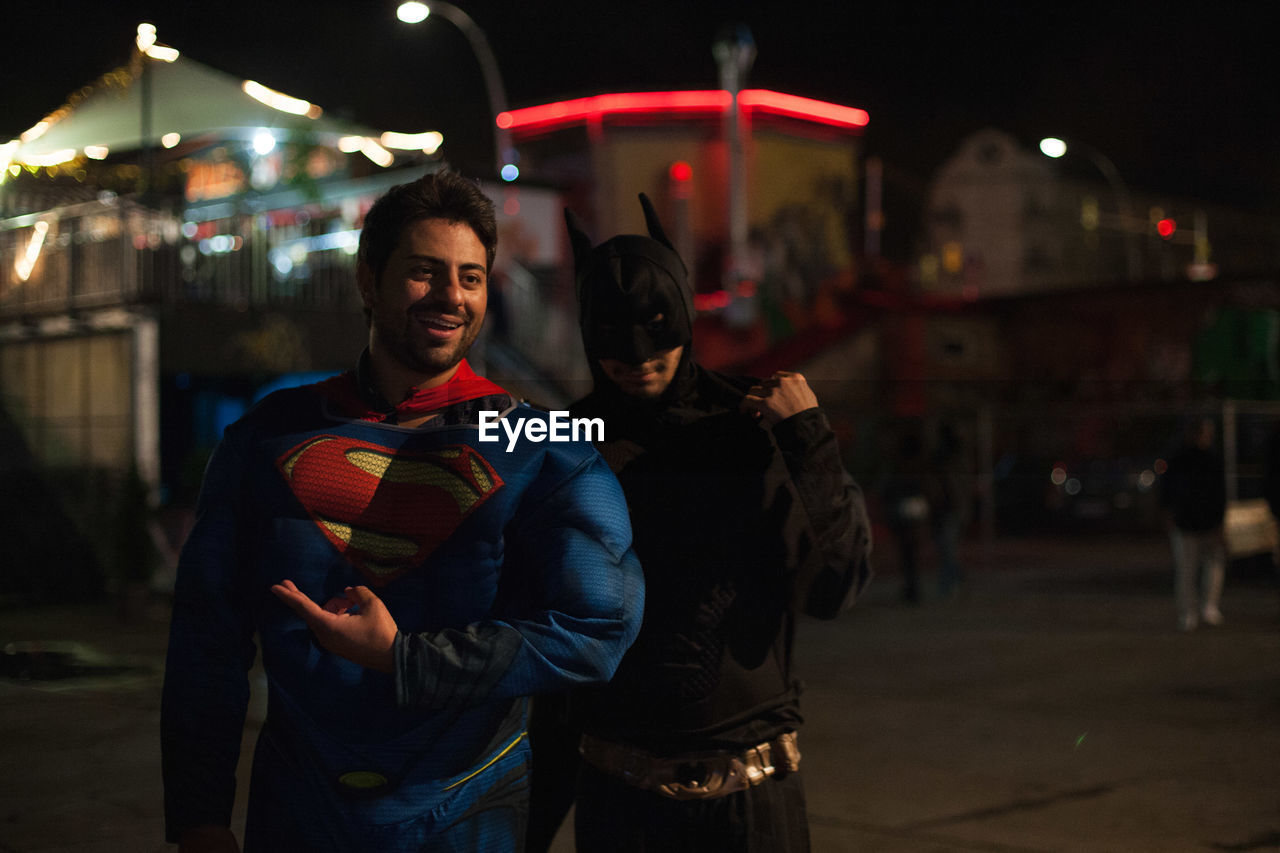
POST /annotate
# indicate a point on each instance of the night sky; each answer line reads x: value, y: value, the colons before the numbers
x: 1179, y: 95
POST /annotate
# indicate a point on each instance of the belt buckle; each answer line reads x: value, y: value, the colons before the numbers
x: 692, y: 773
x: 694, y: 780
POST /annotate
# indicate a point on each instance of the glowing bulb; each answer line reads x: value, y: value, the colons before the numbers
x: 280, y: 101
x: 53, y: 158
x: 166, y: 54
x: 1052, y: 147
x: 375, y: 152
x: 146, y: 41
x: 7, y: 166
x: 27, y: 261
x: 427, y: 142
x: 263, y: 142
x: 368, y: 147
x: 35, y: 131
x: 146, y: 36
x: 413, y: 12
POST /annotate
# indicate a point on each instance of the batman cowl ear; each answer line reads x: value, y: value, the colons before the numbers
x: 578, y: 239
x: 655, y: 226
x: 653, y: 223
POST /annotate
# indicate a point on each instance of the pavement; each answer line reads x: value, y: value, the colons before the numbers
x: 1050, y: 707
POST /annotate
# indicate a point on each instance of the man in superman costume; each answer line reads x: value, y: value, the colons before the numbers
x: 409, y: 585
x: 743, y: 516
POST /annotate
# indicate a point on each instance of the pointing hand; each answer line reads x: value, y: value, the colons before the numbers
x: 355, y: 625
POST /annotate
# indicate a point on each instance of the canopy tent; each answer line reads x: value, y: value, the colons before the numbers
x: 163, y: 97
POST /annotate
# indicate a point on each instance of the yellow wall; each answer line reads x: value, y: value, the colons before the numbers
x: 781, y: 171
x: 791, y: 171
x: 638, y: 161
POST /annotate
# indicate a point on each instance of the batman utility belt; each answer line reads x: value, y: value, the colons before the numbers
x: 697, y: 776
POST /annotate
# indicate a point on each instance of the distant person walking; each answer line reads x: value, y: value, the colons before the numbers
x: 907, y: 510
x: 1193, y: 495
x: 949, y: 491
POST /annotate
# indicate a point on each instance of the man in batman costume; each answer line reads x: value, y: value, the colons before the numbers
x: 743, y: 515
x: 408, y: 584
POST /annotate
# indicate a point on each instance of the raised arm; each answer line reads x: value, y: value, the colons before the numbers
x: 833, y: 502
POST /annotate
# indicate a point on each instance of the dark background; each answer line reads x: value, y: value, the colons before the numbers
x: 1179, y: 95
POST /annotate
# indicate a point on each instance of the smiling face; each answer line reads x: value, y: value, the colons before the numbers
x: 647, y: 379
x: 429, y: 304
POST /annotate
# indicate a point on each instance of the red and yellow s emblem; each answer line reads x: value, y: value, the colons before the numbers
x: 385, y: 510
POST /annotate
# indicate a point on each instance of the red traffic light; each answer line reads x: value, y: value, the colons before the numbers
x: 1166, y: 227
x: 680, y: 171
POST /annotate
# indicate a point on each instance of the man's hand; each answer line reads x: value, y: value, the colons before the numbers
x: 779, y: 397
x: 208, y: 839
x: 355, y: 625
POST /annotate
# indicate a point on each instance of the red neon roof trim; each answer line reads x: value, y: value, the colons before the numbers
x: 582, y: 109
x: 712, y: 100
x: 806, y: 108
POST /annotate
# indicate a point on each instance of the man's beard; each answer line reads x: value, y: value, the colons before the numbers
x: 406, y: 344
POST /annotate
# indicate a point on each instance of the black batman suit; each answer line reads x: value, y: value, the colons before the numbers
x: 738, y: 529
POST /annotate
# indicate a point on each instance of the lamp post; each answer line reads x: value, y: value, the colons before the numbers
x: 735, y: 51
x: 1055, y: 148
x: 415, y: 12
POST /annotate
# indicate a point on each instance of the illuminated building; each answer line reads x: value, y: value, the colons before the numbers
x: 801, y: 192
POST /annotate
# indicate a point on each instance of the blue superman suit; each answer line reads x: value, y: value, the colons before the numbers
x: 508, y: 574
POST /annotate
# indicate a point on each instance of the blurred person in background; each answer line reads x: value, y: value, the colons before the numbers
x: 904, y: 493
x: 1194, y: 500
x: 949, y: 491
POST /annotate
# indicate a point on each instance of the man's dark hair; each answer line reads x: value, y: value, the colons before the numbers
x: 441, y: 195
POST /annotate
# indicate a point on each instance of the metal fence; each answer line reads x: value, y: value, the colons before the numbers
x: 117, y: 252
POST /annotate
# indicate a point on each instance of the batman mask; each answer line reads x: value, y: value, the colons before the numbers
x: 633, y: 293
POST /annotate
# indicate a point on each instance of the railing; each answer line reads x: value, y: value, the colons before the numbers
x: 71, y: 258
x: 117, y: 252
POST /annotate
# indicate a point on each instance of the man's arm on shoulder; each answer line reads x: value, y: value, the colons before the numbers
x: 206, y: 688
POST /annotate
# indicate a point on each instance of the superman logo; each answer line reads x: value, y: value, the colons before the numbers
x: 386, y: 511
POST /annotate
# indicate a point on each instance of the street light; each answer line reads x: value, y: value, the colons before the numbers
x: 735, y: 51
x: 415, y: 12
x: 1053, y: 147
